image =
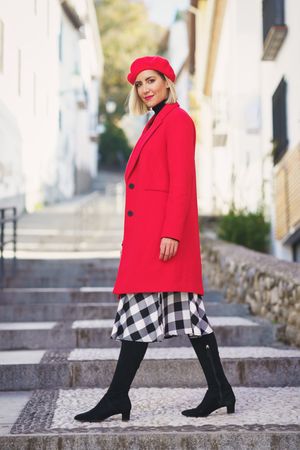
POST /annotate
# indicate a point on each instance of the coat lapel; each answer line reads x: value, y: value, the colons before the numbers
x: 146, y: 134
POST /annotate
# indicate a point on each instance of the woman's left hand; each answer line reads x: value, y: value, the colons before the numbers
x: 168, y: 248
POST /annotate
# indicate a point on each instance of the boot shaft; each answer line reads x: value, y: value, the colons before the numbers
x: 206, y: 349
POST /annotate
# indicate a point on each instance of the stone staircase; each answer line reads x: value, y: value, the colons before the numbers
x: 57, y: 359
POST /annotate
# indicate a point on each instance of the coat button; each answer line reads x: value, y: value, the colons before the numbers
x: 130, y: 213
x: 131, y: 185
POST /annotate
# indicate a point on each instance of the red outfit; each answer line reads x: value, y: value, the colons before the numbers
x: 150, y: 62
x: 161, y: 201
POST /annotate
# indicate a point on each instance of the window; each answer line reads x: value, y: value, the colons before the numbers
x: 280, y: 140
x: 274, y: 28
x: 60, y: 119
x: 34, y: 93
x: 273, y: 14
x: 19, y: 71
x: 60, y: 42
x: 296, y: 251
x: 48, y: 18
x: 1, y: 44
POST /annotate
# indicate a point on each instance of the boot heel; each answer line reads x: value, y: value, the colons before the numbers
x: 126, y: 416
x: 230, y: 408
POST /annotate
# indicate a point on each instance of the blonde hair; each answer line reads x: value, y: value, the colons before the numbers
x: 137, y: 107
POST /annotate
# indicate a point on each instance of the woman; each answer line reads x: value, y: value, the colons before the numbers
x: 159, y: 280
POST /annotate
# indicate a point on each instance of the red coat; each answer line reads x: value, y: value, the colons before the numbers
x: 161, y: 201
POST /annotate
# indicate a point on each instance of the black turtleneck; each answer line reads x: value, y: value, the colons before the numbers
x: 159, y: 106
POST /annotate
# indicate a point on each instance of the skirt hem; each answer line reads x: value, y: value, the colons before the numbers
x: 192, y: 335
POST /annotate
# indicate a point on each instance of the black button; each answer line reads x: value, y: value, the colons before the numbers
x: 130, y: 213
x: 131, y: 185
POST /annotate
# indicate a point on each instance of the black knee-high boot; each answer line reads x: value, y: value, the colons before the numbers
x: 219, y: 391
x: 116, y: 399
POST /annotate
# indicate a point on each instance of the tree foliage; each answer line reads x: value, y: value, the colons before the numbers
x: 114, y: 148
x: 126, y: 33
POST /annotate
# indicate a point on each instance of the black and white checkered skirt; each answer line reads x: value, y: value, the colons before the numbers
x: 151, y: 317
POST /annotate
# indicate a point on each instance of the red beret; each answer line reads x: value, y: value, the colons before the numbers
x: 150, y: 62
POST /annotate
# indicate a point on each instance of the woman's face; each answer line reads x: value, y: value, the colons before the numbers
x: 151, y: 88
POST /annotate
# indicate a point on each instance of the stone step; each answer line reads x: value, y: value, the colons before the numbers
x: 73, y: 245
x: 30, y: 296
x: 82, y: 294
x: 40, y: 236
x: 106, y: 310
x: 244, y: 366
x: 56, y: 273
x: 102, y: 278
x: 110, y: 220
x: 68, y: 266
x: 96, y: 333
x: 258, y: 423
x: 67, y: 275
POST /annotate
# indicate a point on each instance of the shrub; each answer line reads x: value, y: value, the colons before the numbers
x: 114, y: 146
x: 245, y: 228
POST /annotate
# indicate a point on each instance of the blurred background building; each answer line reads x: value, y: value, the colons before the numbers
x: 247, y: 86
x: 238, y: 75
x: 280, y: 95
x: 51, y: 66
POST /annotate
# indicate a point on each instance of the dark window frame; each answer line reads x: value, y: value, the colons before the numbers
x: 295, y: 251
x: 273, y: 14
x: 1, y: 46
x: 279, y: 121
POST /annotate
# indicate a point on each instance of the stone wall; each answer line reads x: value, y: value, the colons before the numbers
x: 270, y: 286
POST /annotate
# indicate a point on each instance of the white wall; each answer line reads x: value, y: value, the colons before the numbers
x: 287, y: 64
x: 177, y: 53
x: 39, y: 161
x: 28, y: 94
x: 232, y: 172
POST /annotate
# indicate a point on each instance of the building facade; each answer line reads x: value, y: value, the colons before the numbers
x: 50, y: 73
x: 247, y: 85
x: 281, y: 118
x: 227, y: 83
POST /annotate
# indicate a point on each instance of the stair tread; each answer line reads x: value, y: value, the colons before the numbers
x: 158, y: 409
x: 107, y: 323
x: 19, y: 357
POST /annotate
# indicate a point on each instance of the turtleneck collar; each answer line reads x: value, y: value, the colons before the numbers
x: 159, y: 106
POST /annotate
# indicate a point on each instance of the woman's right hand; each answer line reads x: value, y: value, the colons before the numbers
x: 168, y: 248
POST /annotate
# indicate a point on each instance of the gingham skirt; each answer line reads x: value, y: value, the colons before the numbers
x: 154, y: 316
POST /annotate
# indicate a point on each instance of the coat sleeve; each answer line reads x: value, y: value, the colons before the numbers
x: 181, y: 139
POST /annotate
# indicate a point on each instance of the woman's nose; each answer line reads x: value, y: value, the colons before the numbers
x: 145, y: 89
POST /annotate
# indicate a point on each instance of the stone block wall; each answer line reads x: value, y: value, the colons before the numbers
x: 270, y: 286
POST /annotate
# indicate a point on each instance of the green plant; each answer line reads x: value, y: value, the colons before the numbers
x: 245, y: 228
x: 114, y: 147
